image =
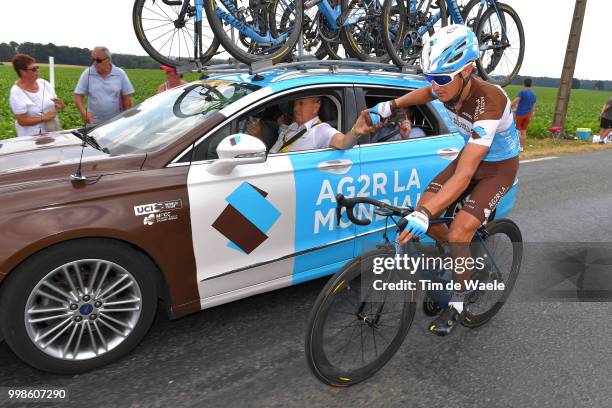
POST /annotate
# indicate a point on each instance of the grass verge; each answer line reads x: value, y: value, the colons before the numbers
x: 546, y: 147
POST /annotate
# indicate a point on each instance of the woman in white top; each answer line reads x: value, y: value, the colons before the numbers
x: 33, y: 100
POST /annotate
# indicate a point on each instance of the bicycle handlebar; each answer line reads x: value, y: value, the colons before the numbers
x: 350, y: 203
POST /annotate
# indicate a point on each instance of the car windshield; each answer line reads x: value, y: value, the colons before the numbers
x: 164, y: 118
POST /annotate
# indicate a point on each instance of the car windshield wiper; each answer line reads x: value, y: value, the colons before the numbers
x: 90, y: 141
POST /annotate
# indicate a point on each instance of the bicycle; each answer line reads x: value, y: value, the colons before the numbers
x: 330, y: 23
x: 173, y: 32
x: 379, y: 320
x: 265, y: 29
x: 497, y: 26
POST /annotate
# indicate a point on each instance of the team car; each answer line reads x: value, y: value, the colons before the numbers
x: 171, y: 203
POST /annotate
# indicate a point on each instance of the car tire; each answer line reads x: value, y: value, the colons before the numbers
x: 22, y: 304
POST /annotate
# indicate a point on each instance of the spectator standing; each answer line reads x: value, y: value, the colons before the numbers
x: 606, y: 122
x: 33, y: 100
x: 173, y: 79
x: 106, y: 86
x: 524, y: 102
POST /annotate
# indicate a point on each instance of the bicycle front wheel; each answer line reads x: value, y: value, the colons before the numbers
x: 503, y: 252
x: 353, y: 329
x: 169, y: 38
x: 502, y: 44
x: 254, y: 30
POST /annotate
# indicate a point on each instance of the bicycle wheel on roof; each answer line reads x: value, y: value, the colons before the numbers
x: 502, y: 44
x: 253, y: 30
x: 169, y: 33
x: 406, y: 31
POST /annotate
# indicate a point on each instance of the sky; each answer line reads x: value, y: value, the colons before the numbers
x: 87, y: 23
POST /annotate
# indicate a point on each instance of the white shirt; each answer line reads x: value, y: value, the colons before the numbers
x: 33, y: 105
x: 316, y: 136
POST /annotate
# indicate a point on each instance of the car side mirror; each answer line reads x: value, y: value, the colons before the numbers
x: 235, y: 150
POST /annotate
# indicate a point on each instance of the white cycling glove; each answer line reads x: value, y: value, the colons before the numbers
x: 380, y: 111
x: 418, y: 222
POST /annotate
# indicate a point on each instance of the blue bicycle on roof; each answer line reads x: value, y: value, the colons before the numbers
x: 497, y: 26
x: 175, y: 32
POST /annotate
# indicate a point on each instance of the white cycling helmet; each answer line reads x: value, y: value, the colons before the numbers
x: 449, y: 49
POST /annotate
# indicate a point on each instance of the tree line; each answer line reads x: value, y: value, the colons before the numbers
x: 594, y: 84
x: 73, y: 55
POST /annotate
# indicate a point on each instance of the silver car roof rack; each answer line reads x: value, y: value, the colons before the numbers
x: 307, y: 63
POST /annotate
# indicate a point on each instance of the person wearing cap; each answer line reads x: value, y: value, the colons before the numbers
x: 106, y: 86
x: 173, y: 79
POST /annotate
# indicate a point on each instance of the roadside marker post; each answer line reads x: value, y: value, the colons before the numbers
x: 52, y: 71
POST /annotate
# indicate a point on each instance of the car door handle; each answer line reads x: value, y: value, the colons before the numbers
x: 449, y: 153
x: 338, y: 166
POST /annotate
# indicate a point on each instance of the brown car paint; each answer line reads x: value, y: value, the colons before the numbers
x: 42, y: 206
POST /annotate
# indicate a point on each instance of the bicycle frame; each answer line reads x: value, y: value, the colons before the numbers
x: 453, y: 11
x: 243, y: 28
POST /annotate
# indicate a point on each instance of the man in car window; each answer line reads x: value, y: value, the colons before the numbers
x: 308, y: 132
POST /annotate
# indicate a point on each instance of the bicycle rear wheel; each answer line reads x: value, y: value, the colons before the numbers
x: 253, y: 30
x: 502, y: 44
x: 364, y: 38
x: 472, y: 12
x: 313, y: 44
x: 400, y: 36
x: 503, y: 251
x: 354, y: 330
x: 168, y: 39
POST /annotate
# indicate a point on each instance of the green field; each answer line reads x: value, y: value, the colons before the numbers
x: 584, y: 105
x: 145, y: 82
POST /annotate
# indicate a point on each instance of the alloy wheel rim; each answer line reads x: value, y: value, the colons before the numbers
x: 83, y: 309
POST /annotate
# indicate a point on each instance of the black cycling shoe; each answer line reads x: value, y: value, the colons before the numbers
x: 446, y: 322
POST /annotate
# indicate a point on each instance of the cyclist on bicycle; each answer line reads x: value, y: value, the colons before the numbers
x: 489, y: 158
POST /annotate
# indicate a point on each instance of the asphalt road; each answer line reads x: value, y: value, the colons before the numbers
x: 250, y: 353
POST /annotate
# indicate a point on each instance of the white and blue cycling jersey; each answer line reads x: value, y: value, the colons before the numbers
x: 485, y: 119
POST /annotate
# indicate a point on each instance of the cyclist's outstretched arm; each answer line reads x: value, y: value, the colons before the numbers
x: 416, y: 97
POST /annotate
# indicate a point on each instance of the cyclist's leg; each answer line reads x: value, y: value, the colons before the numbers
x: 439, y: 232
x: 494, y: 180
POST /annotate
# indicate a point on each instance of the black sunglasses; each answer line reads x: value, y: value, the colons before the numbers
x: 98, y: 60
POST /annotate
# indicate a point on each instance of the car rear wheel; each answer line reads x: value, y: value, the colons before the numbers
x: 79, y: 305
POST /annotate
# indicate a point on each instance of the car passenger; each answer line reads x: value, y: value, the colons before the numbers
x: 308, y: 132
x: 400, y: 128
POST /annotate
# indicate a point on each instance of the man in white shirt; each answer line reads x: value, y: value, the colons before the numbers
x: 308, y: 132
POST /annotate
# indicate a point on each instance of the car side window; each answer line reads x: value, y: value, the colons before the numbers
x: 268, y: 121
x: 407, y: 124
x: 207, y: 149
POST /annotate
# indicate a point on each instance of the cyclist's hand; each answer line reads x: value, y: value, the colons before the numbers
x: 379, y: 112
x: 418, y: 222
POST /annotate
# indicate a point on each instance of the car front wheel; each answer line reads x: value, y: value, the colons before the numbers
x: 78, y: 305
